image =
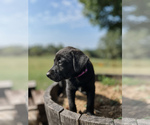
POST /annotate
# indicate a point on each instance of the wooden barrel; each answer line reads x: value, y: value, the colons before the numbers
x: 57, y: 115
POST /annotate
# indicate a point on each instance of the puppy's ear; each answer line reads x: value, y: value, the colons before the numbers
x: 79, y: 60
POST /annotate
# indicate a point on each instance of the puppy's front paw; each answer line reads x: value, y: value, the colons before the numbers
x: 89, y: 113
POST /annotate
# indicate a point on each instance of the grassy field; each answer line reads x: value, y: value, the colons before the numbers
x: 21, y: 69
x: 38, y: 67
x: 15, y: 68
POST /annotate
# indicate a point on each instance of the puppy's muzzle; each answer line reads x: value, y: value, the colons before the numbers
x: 53, y: 75
x: 50, y: 73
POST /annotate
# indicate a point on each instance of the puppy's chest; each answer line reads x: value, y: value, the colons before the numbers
x: 78, y: 84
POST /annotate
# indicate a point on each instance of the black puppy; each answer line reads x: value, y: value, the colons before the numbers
x: 74, y: 66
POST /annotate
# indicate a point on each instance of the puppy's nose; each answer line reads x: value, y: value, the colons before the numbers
x: 48, y: 74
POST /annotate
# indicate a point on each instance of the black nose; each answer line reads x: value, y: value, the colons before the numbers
x: 48, y: 74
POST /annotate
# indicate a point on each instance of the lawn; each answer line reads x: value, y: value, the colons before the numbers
x: 15, y: 68
x: 38, y: 67
x: 21, y: 68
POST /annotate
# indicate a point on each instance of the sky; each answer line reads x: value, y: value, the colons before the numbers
x: 43, y: 22
x: 61, y: 22
x: 13, y: 22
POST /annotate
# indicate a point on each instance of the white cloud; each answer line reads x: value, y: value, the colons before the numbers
x: 59, y: 18
x: 33, y: 1
x: 61, y: 15
x: 129, y: 8
x: 64, y: 12
x: 66, y: 3
x: 138, y: 19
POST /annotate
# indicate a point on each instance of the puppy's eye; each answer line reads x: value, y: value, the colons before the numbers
x: 59, y: 62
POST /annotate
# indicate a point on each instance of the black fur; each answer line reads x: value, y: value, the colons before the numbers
x: 69, y: 63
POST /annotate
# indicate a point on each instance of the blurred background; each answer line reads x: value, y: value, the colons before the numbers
x: 136, y: 59
x: 13, y: 62
x: 33, y: 31
x: 93, y: 26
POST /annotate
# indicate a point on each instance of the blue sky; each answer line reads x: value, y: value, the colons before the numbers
x: 43, y: 22
x: 61, y: 22
x: 13, y: 22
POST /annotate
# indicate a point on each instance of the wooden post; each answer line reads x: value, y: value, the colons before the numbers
x: 118, y: 122
x: 143, y: 121
x: 69, y: 118
x: 53, y: 114
x: 95, y: 120
x: 52, y: 109
x: 5, y: 85
x: 129, y: 121
x: 31, y: 86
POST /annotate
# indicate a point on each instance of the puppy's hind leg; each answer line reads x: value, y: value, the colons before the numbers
x: 90, y: 101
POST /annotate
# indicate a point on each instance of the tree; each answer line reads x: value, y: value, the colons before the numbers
x: 136, y: 14
x: 106, y: 14
x: 111, y: 45
x: 136, y: 20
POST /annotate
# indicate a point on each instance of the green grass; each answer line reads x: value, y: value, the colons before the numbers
x: 38, y: 67
x: 15, y: 68
x: 132, y: 81
x: 21, y: 68
x: 107, y: 66
x: 108, y: 81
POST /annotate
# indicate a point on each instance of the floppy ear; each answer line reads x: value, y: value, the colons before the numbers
x: 79, y: 60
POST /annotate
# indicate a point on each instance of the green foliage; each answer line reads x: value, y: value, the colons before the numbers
x: 104, y: 13
x: 136, y: 39
x: 141, y: 43
x: 111, y: 45
x: 36, y: 50
x: 110, y: 50
x: 52, y: 50
x: 138, y: 5
x: 108, y: 81
x: 13, y: 51
x: 119, y: 118
x: 131, y: 81
x: 92, y: 53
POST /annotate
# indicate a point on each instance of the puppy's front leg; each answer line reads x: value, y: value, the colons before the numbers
x: 90, y: 101
x: 71, y: 99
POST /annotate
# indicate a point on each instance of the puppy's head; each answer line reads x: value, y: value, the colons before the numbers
x: 68, y: 61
